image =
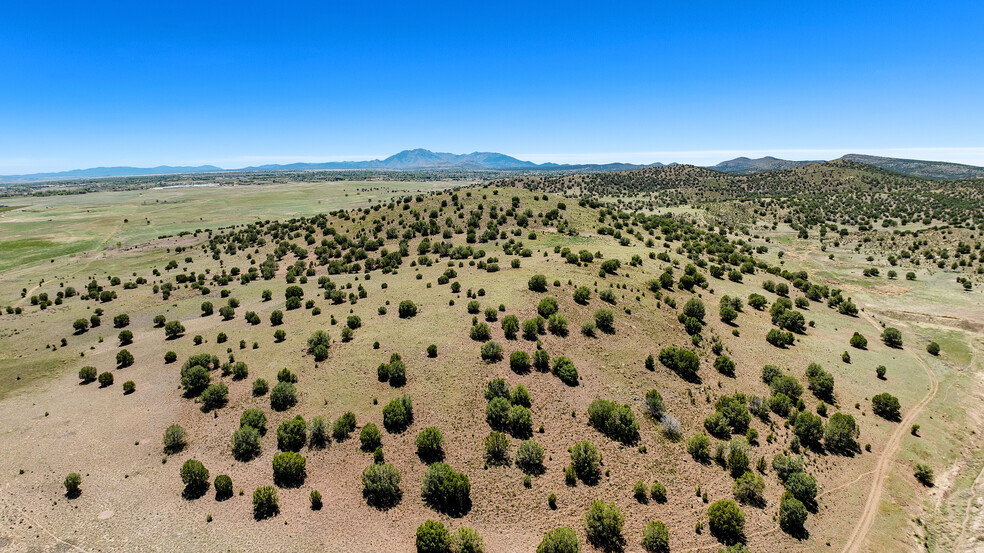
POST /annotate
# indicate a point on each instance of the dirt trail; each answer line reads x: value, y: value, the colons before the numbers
x: 867, y: 518
x: 977, y: 481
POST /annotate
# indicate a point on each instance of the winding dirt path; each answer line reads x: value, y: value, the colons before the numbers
x: 867, y: 518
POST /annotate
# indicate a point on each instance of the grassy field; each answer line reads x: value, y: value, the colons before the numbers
x: 132, y: 495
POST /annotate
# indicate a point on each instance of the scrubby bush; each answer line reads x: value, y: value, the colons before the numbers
x: 586, y: 461
x: 699, y: 447
x: 858, y: 341
x: 748, y: 489
x: 467, y: 540
x: 654, y: 405
x: 792, y: 515
x: 260, y: 387
x: 381, y: 485
x: 841, y: 434
x: 724, y: 365
x: 292, y: 434
x: 215, y: 396
x: 682, y: 361
x: 519, y: 362
x: 343, y: 426
x: 564, y: 369
x: 726, y: 521
x: 73, y: 485
x: 105, y: 379
x: 491, y: 352
x: 318, y: 344
x: 433, y: 537
x: 560, y: 540
x: 614, y: 420
x: 194, y: 475
x: 370, y: 437
x: 289, y: 469
x: 283, y: 396
x: 892, y: 337
x: 520, y: 422
x: 529, y: 457
x: 223, y: 487
x: 605, y: 320
x: 430, y: 444
x: 174, y: 439
x: 446, y: 490
x: 538, y: 283
x: 398, y: 414
x: 547, y: 307
x: 933, y: 348
x: 582, y: 294
x: 265, y: 502
x: 87, y: 374
x: 245, y: 443
x: 496, y: 448
x: 924, y: 474
x: 603, y: 525
x: 510, y: 326
x: 124, y: 359
x: 887, y: 406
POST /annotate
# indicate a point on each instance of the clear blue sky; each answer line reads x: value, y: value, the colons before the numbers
x: 135, y: 83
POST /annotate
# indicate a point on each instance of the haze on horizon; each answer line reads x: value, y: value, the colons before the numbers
x: 243, y: 84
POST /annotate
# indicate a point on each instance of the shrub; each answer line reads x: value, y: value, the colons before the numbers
x: 808, y: 428
x: 343, y: 426
x: 170, y: 357
x: 510, y: 326
x: 699, y: 447
x: 786, y: 466
x: 724, y: 365
x: 491, y: 352
x: 480, y: 332
x: 892, y: 337
x: 586, y: 461
x: 802, y: 486
x: 432, y: 350
x: 924, y: 474
x: 658, y: 492
x: 381, y: 485
x: 433, y: 537
x: 821, y: 382
x: 738, y: 462
x: 748, y: 489
x: 541, y: 360
x: 80, y: 326
x: 654, y: 405
x: 73, y: 483
x: 694, y: 308
x: 292, y: 434
x: 289, y: 469
x: 430, y: 444
x: 531, y: 329
x: 557, y: 324
x: 529, y: 457
x: 656, y: 538
x: 538, y: 283
x: 446, y: 490
x: 560, y: 540
x: 787, y: 386
x: 174, y: 439
x: 124, y: 358
x: 933, y: 348
x: 582, y: 294
x: 265, y: 502
x: 223, y: 487
x: 792, y: 515
x: 276, y: 318
x: 605, y: 320
x: 195, y: 379
x: 547, y: 307
x: 129, y: 387
x: 467, y: 540
x: 496, y: 448
x: 519, y: 362
x: 398, y: 414
x: 105, y: 379
x: 886, y: 406
x: 370, y: 437
x: 125, y: 337
x: 614, y: 420
x: 318, y: 344
x: 841, y: 434
x: 87, y: 374
x: 564, y: 369
x: 215, y: 396
x: 603, y: 524
x: 316, y: 503
x: 283, y: 396
x: 858, y: 341
x: 520, y: 422
x: 726, y: 521
x: 520, y: 396
x: 245, y: 443
x: 194, y: 475
x: 682, y: 361
x: 260, y: 387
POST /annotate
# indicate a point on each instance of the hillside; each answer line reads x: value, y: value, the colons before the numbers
x: 744, y: 165
x: 435, y: 297
x: 938, y: 170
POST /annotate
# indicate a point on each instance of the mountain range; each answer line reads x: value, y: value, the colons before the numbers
x: 422, y: 159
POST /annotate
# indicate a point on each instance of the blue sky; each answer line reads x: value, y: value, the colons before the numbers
x: 233, y: 84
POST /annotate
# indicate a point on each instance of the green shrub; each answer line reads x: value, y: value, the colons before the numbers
x: 292, y: 434
x: 381, y: 485
x: 802, y: 486
x: 748, y: 489
x: 283, y: 396
x: 924, y: 474
x: 467, y: 540
x: 398, y: 414
x: 726, y: 521
x: 73, y: 485
x: 933, y: 348
x: 656, y: 538
x: 529, y: 457
x: 892, y: 337
x: 538, y: 283
x: 430, y: 444
x: 603, y: 524
x: 496, y: 449
x: 343, y: 426
x: 215, y: 397
x: 682, y: 361
x: 245, y: 443
x: 699, y: 447
x: 174, y: 439
x: 124, y: 359
x: 223, y: 487
x: 87, y: 374
x: 194, y: 475
x: 520, y: 396
x: 316, y: 502
x: 433, y: 537
x: 605, y: 320
x: 105, y: 379
x: 491, y: 352
x: 446, y: 490
x: 614, y: 420
x: 564, y: 369
x: 520, y: 422
x: 265, y: 502
x: 370, y: 437
x: 586, y: 461
x: 792, y: 515
x: 289, y: 469
x: 887, y: 406
x: 658, y: 492
x: 560, y: 540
